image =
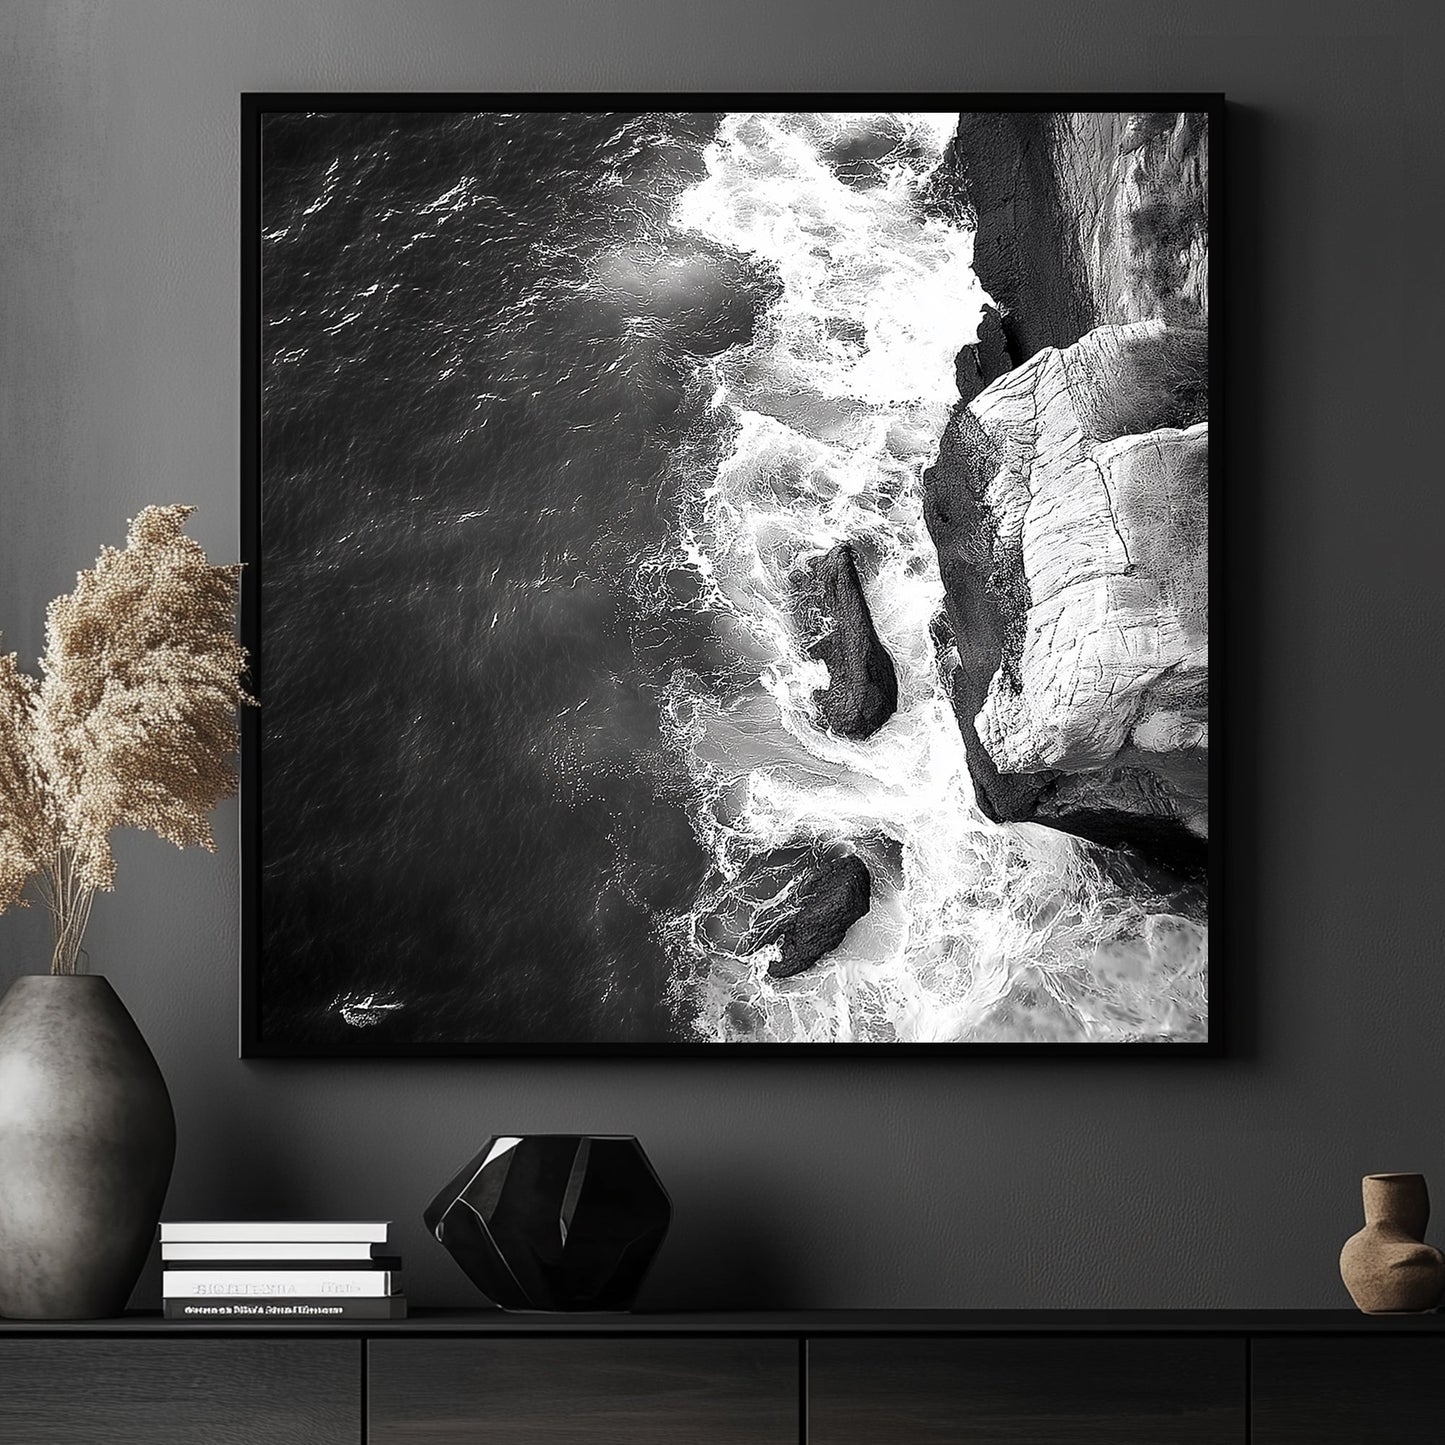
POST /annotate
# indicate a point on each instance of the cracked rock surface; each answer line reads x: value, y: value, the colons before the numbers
x: 1069, y: 507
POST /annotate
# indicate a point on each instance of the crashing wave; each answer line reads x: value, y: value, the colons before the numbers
x: 830, y: 413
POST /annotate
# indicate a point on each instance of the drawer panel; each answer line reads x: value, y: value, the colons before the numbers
x: 1348, y: 1392
x: 1038, y: 1391
x: 631, y: 1391
x: 62, y: 1391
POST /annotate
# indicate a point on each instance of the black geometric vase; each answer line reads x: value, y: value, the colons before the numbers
x: 555, y: 1221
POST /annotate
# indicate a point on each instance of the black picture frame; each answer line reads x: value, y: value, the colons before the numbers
x: 255, y: 107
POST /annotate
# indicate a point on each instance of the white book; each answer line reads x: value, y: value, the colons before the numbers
x: 274, y: 1231
x: 272, y: 1283
x: 269, y: 1250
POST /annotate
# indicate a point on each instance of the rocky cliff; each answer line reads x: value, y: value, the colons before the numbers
x: 1137, y: 189
x: 1082, y: 218
x: 1069, y: 501
x: 1000, y: 174
x: 1069, y: 507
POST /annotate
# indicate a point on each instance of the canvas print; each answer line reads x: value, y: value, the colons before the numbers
x: 728, y: 579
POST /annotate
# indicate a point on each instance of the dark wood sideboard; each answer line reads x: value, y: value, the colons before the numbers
x: 1064, y: 1377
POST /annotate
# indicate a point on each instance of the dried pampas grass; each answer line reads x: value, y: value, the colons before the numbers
x: 133, y: 723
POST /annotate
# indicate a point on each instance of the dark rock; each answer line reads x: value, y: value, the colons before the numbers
x: 862, y: 691
x: 993, y: 355
x: 997, y: 349
x: 962, y: 527
x: 999, y: 171
x: 812, y: 919
x: 1117, y: 808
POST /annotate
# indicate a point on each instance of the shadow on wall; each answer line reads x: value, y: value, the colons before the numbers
x: 264, y: 1177
x: 728, y: 1254
x: 1249, y: 142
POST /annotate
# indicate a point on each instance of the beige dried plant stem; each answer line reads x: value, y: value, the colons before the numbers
x: 133, y: 723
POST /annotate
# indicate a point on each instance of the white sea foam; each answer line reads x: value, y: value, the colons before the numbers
x: 833, y: 410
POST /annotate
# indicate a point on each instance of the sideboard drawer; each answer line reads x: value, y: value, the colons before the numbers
x: 583, y: 1391
x: 1015, y: 1391
x: 1347, y: 1392
x: 122, y: 1391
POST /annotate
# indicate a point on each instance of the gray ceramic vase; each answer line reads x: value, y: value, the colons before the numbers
x: 87, y: 1140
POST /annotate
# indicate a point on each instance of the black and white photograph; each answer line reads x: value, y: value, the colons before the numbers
x: 727, y: 578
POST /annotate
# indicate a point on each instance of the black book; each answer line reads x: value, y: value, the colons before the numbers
x: 271, y: 1311
x: 331, y: 1266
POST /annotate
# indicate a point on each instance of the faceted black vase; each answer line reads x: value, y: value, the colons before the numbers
x: 555, y: 1221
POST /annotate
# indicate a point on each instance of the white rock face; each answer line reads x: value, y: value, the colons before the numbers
x: 1109, y: 666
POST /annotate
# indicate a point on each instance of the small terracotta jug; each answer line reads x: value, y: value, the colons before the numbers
x: 1387, y: 1267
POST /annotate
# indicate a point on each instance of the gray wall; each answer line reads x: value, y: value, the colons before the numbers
x: 827, y: 1183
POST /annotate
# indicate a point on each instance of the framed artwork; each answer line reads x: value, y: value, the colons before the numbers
x: 729, y: 580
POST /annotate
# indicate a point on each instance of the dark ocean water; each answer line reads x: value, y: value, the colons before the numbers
x: 481, y: 344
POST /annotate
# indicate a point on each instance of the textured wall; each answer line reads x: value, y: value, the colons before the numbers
x: 829, y: 1183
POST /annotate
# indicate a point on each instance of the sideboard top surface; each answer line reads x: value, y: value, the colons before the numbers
x: 795, y: 1323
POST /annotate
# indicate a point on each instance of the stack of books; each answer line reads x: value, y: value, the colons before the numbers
x: 310, y: 1270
